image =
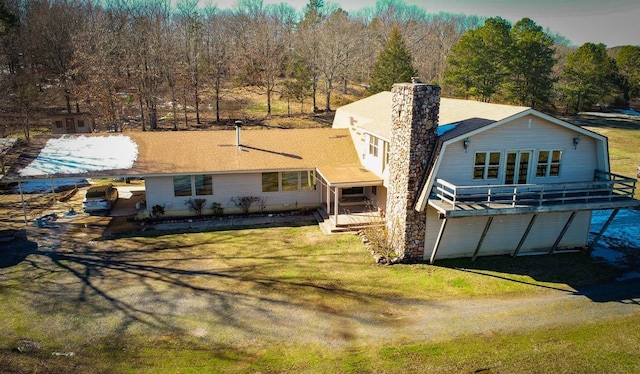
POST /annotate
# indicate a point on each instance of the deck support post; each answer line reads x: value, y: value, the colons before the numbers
x: 524, y: 236
x: 438, y: 240
x: 564, y: 231
x: 484, y: 234
x: 603, y: 229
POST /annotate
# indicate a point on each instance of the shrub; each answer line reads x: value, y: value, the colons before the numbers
x: 217, y: 209
x: 157, y: 211
x: 196, y: 205
x: 244, y: 202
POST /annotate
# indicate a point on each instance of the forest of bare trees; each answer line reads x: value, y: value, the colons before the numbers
x: 145, y: 59
x: 121, y: 59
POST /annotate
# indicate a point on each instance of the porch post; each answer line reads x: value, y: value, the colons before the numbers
x: 328, y: 199
x: 335, y: 204
x: 603, y: 229
x: 484, y: 234
x: 437, y: 245
x: 524, y: 236
x: 564, y: 231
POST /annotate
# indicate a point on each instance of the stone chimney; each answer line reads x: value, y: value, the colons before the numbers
x: 414, y: 123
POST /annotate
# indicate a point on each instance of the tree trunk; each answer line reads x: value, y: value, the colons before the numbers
x: 217, y: 94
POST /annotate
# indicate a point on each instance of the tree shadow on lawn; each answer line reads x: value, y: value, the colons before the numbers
x: 587, y: 277
x: 160, y: 286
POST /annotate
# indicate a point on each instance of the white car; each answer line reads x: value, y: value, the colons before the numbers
x: 100, y: 199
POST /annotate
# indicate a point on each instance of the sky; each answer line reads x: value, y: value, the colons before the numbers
x: 612, y: 22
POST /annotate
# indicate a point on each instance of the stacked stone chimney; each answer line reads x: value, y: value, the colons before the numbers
x: 414, y: 123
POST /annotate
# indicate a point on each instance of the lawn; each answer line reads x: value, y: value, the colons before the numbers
x: 276, y: 299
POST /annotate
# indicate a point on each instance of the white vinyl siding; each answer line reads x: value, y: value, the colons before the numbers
x: 160, y: 191
x: 578, y: 164
x: 461, y: 235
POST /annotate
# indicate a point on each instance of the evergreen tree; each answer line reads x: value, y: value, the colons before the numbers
x: 478, y: 63
x: 392, y: 66
x: 530, y: 79
x: 589, y: 75
x: 628, y: 63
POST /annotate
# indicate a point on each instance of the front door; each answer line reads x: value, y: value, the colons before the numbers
x: 517, y: 169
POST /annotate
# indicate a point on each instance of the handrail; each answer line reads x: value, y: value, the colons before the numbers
x: 605, y: 187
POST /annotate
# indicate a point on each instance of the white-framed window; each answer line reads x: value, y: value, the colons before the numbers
x: 549, y: 163
x: 203, y: 184
x: 286, y: 181
x: 182, y: 185
x: 270, y: 182
x: 486, y: 165
x: 373, y: 145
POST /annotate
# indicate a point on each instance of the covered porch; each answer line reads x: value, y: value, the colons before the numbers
x: 607, y: 191
x: 346, y: 199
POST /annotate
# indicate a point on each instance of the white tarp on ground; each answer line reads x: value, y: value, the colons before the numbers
x: 81, y: 154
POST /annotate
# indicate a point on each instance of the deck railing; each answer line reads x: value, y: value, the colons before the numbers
x: 605, y: 187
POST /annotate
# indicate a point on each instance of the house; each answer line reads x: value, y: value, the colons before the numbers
x: 464, y: 179
x: 452, y: 178
x: 71, y: 123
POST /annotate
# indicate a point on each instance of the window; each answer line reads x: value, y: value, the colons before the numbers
x: 182, y: 185
x: 373, y: 146
x: 307, y: 180
x: 290, y: 180
x: 80, y: 123
x: 59, y: 124
x: 548, y: 163
x: 270, y: 182
x: 204, y: 185
x: 374, y: 190
x: 487, y: 165
x: 353, y: 191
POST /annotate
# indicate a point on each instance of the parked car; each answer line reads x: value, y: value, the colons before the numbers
x: 100, y: 199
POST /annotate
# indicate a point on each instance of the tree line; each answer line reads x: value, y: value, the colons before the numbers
x: 120, y: 59
x: 521, y: 64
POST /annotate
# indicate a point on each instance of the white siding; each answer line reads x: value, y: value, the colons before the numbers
x: 527, y: 133
x: 462, y: 234
x: 159, y: 191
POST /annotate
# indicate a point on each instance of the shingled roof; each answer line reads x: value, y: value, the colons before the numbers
x: 187, y: 152
x: 373, y: 114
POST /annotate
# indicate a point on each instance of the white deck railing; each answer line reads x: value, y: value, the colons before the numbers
x: 605, y: 187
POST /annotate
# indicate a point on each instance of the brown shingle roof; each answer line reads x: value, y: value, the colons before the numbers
x: 187, y: 152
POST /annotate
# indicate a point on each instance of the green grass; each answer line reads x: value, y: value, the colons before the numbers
x: 205, y: 301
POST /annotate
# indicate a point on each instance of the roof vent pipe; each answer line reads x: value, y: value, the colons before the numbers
x: 238, y: 126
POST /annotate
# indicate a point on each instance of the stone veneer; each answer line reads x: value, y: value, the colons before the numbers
x: 414, y: 112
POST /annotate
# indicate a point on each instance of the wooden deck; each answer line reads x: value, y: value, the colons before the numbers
x: 606, y: 191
